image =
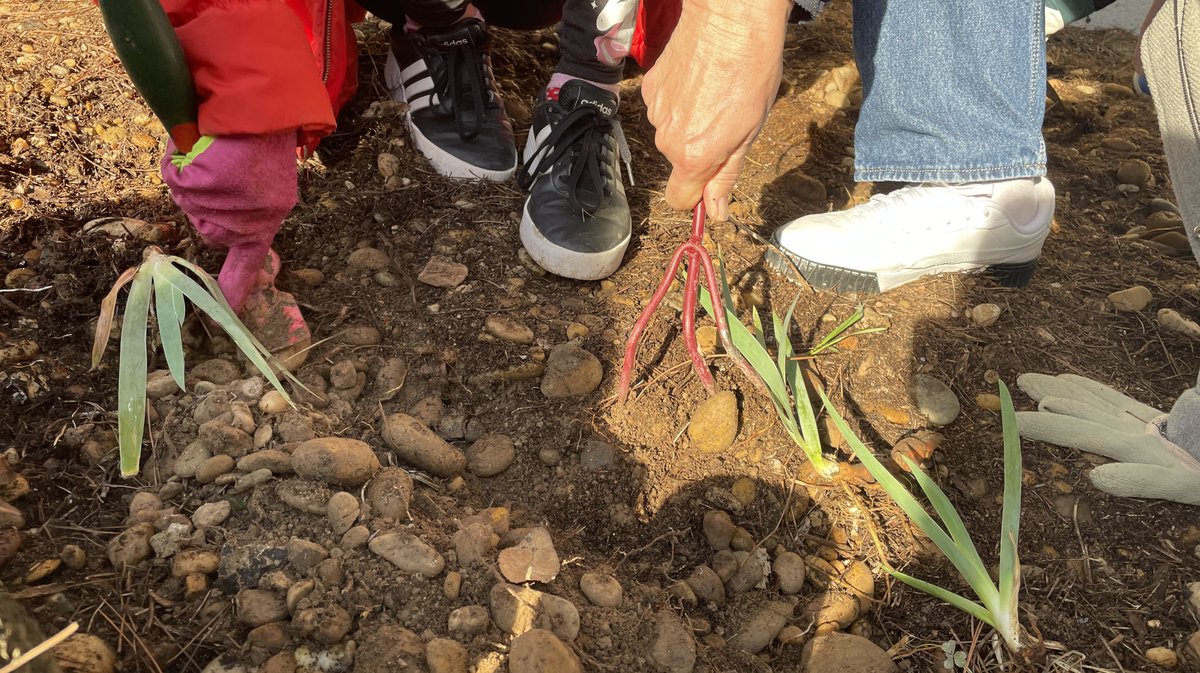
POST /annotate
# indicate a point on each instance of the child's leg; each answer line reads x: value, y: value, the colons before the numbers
x: 594, y: 40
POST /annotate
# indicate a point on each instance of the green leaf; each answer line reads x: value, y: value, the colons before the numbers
x: 218, y: 310
x: 756, y: 321
x: 837, y: 334
x: 169, y: 308
x: 131, y: 379
x: 968, y: 606
x: 1010, y: 514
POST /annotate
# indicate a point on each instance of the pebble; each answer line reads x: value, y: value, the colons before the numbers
x: 442, y: 272
x: 355, y: 538
x: 85, y: 653
x: 540, y: 651
x: 190, y: 459
x: 214, y: 467
x: 212, y: 514
x: 443, y: 655
x: 597, y: 456
x: 348, y: 462
x: 674, y: 647
x: 1193, y: 644
x: 1130, y: 299
x: 985, y: 315
x: 252, y: 480
x: 517, y: 609
x: 256, y: 607
x: 533, y: 559
x: 1163, y: 206
x: 420, y: 447
x: 226, y: 439
x: 707, y: 585
x: 988, y: 401
x: 490, y: 455
x: 602, y: 590
x: 132, y: 546
x: 935, y: 399
x: 549, y: 456
x: 508, y: 329
x: 571, y: 371
x: 762, y: 627
x: 263, y: 435
x: 409, y: 553
x: 428, y: 410
x: 860, y: 582
x: 278, y: 462
x: 842, y: 652
x: 752, y: 571
x: 1171, y: 319
x: 73, y: 556
x: 789, y: 571
x: 360, y: 335
x: 471, y: 620
x: 1163, y: 657
x: 144, y: 506
x: 294, y: 426
x: 452, y: 586
x: 195, y: 562
x: 1118, y: 144
x: 342, y: 511
x: 744, y: 490
x: 718, y: 529
x: 368, y: 259
x: 216, y: 370
x: 832, y: 610
x: 389, y: 493
x: 1134, y: 172
x: 714, y: 423
x: 473, y: 541
x: 160, y: 383
x: 243, y: 565
x: 308, y: 277
x: 305, y: 555
x: 273, y: 402
x: 390, y: 378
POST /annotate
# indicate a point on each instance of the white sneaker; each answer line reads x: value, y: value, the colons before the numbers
x: 922, y: 230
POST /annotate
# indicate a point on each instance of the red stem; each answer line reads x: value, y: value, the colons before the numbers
x: 631, y: 346
x: 690, y: 288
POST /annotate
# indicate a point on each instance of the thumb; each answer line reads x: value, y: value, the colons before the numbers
x: 718, y: 190
x: 685, y: 188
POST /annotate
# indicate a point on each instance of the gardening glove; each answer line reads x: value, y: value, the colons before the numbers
x: 1158, y: 454
x: 236, y: 190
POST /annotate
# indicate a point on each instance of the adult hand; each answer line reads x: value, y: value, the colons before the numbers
x: 709, y: 94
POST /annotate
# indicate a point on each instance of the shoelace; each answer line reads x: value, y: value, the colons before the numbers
x: 581, y: 132
x: 459, y: 77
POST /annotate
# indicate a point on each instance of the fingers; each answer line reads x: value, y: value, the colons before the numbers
x: 685, y: 189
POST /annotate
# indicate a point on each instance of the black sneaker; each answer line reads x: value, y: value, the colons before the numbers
x: 455, y: 113
x: 576, y: 220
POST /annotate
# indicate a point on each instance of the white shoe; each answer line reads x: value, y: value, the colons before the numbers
x: 922, y: 230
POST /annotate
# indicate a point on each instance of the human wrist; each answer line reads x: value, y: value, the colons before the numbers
x: 738, y: 17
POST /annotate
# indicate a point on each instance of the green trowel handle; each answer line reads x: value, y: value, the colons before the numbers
x: 151, y: 53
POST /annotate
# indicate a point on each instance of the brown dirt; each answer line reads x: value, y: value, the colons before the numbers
x: 1108, y: 575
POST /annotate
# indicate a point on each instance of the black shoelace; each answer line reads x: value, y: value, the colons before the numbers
x: 459, y: 77
x: 581, y: 133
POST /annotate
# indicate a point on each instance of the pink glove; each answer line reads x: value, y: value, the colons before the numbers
x: 236, y: 190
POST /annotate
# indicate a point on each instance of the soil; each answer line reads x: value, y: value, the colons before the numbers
x: 1105, y: 578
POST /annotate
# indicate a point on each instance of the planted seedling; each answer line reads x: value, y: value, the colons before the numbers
x: 161, y: 278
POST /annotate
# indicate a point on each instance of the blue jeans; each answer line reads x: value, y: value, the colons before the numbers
x: 953, y: 90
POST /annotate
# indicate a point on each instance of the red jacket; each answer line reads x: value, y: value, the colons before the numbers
x: 264, y: 66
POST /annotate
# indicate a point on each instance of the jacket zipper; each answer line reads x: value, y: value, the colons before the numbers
x: 328, y: 41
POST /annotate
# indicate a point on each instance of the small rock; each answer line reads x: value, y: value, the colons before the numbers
x: 304, y: 555
x: 935, y: 399
x: 1118, y: 144
x: 985, y: 315
x: 744, y: 490
x: 539, y: 651
x: 273, y: 402
x: 429, y: 410
x: 212, y: 514
x: 445, y: 656
x: 326, y: 625
x: 41, y: 570
x: 718, y: 529
x: 842, y: 652
x: 144, y: 506
x: 256, y: 607
x: 420, y: 447
x: 160, y: 383
x: 348, y: 462
x: 409, y: 553
x: 571, y: 371
x: 490, y: 455
x: 294, y: 426
x: 988, y: 401
x: 442, y: 272
x: 190, y: 459
x: 714, y: 423
x: 508, y: 329
x: 753, y: 570
x: 1130, y: 299
x: 390, y: 492
x: 549, y: 456
x: 132, y: 546
x: 469, y: 621
x: 597, y: 456
x: 1171, y: 319
x: 1163, y: 657
x: 533, y: 559
x: 242, y: 565
x: 762, y: 627
x: 602, y: 590
x: 674, y: 647
x: 707, y: 585
x: 195, y: 562
x: 355, y: 538
x: 309, y: 277
x: 473, y: 542
x: 368, y: 259
x: 263, y: 435
x: 517, y: 609
x: 790, y: 571
x: 73, y: 556
x: 209, y: 470
x: 360, y: 335
x: 85, y: 653
x: 1193, y: 644
x: 832, y: 610
x: 278, y: 462
x: 1134, y: 172
x: 452, y: 586
x: 216, y: 370
x: 342, y: 511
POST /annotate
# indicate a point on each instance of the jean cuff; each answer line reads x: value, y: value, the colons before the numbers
x: 864, y: 173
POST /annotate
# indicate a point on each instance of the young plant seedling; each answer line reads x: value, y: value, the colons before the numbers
x: 161, y: 278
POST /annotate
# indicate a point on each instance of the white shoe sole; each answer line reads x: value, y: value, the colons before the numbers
x: 568, y: 263
x: 442, y: 161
